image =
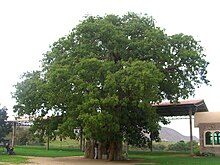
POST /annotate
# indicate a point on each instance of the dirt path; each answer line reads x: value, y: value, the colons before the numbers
x: 78, y: 160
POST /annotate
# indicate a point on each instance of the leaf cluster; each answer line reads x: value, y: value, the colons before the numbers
x: 5, y: 126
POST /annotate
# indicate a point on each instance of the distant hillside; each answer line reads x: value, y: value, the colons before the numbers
x: 171, y: 135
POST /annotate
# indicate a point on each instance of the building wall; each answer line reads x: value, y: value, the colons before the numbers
x: 203, y: 127
x: 206, y: 117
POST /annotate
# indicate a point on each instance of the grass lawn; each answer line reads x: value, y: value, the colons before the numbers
x: 65, y: 143
x: 12, y: 159
x: 22, y: 151
x: 173, y: 158
x: 158, y: 157
x: 41, y: 151
x: 66, y: 147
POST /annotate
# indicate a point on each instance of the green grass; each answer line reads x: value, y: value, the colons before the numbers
x: 22, y: 151
x: 12, y: 159
x: 65, y: 143
x: 172, y: 158
x: 185, y: 160
x: 158, y: 157
x: 155, y: 153
x: 41, y: 151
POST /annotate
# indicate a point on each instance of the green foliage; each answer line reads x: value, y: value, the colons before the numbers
x: 196, y: 150
x: 101, y: 126
x: 30, y: 95
x: 182, y: 146
x: 5, y: 126
x: 208, y: 154
x: 159, y: 147
x: 104, y: 76
x: 179, y: 146
x: 21, y: 136
x: 45, y: 127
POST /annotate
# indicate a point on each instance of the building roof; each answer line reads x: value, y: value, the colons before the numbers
x: 180, y: 108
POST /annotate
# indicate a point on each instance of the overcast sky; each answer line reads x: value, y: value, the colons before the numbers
x: 28, y: 27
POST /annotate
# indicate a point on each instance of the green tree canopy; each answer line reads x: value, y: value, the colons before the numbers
x: 105, y: 75
x: 5, y: 126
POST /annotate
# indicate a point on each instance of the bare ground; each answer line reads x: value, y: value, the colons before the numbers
x: 79, y: 160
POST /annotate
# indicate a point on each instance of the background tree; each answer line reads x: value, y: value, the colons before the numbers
x: 45, y: 128
x: 5, y: 126
x: 31, y: 95
x: 21, y: 136
x: 104, y: 76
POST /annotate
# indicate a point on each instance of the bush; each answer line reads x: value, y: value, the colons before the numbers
x: 207, y: 154
x: 179, y: 146
x: 196, y: 150
x: 21, y: 136
x: 24, y: 137
x: 182, y: 146
x: 159, y: 147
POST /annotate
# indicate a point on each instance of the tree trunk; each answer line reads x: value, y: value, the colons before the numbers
x: 48, y: 143
x: 89, y: 151
x: 115, y: 151
x: 81, y: 139
x: 100, y: 150
x: 126, y: 151
x: 84, y: 144
x: 151, y: 145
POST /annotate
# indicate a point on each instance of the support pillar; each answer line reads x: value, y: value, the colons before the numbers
x: 191, y: 136
x: 13, y: 134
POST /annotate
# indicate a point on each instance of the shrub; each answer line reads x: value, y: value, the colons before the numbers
x: 24, y: 137
x: 182, y: 146
x: 207, y: 154
x: 196, y: 150
x: 159, y: 147
x: 179, y: 146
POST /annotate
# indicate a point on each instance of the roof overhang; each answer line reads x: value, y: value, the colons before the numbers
x: 180, y: 108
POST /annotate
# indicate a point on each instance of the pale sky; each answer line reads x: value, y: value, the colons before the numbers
x: 28, y: 27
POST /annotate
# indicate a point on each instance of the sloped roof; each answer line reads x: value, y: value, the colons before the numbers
x: 180, y: 108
